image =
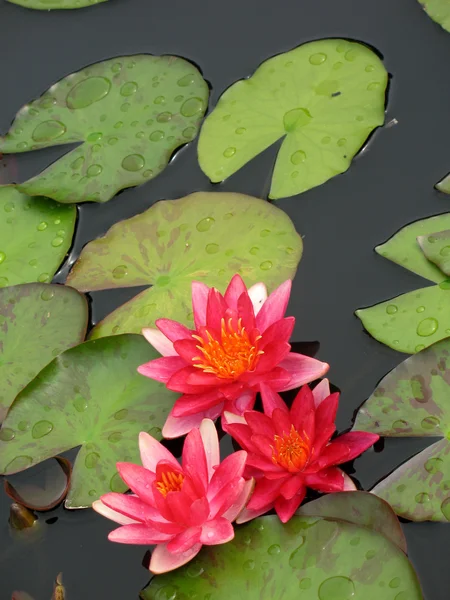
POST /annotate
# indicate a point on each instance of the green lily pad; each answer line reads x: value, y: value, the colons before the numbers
x: 178, y: 241
x: 55, y: 4
x: 436, y: 248
x: 92, y: 396
x: 37, y: 322
x: 324, y: 98
x: 35, y: 236
x: 130, y: 112
x: 418, y: 319
x: 413, y: 401
x: 308, y: 558
x: 439, y: 11
x: 360, y: 508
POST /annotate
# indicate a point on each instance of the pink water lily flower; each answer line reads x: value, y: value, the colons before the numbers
x: 178, y: 507
x: 290, y: 450
x: 240, y: 341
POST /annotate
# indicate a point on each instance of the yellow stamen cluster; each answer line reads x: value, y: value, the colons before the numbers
x: 291, y: 450
x: 170, y: 482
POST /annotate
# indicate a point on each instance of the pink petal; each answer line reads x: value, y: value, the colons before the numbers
x: 357, y: 442
x: 248, y: 514
x: 241, y: 433
x: 321, y: 391
x: 130, y: 506
x: 187, y: 349
x: 215, y: 310
x: 265, y: 465
x: 271, y: 400
x: 263, y: 445
x: 282, y: 421
x: 194, y: 461
x: 328, y: 480
x: 280, y: 331
x: 163, y: 561
x: 349, y: 484
x: 235, y: 289
x: 230, y: 468
x: 302, y: 369
x: 245, y: 401
x: 225, y: 499
x: 173, y: 330
x: 175, y: 507
x: 179, y: 382
x: 229, y: 418
x: 218, y: 531
x: 274, y: 354
x: 139, y: 480
x: 260, y: 423
x: 274, y: 308
x: 286, y: 508
x: 292, y: 486
x: 258, y: 295
x: 266, y: 491
x: 185, y: 541
x: 199, y: 512
x: 326, y: 412
x: 159, y: 341
x: 162, y: 369
x: 109, y: 513
x: 138, y: 534
x: 175, y: 427
x: 240, y: 502
x: 210, y: 441
x: 191, y: 404
x: 152, y: 452
x: 246, y: 312
x: 200, y: 293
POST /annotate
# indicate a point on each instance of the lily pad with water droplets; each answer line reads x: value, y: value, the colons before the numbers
x: 418, y: 319
x: 37, y: 322
x: 178, y: 241
x: 93, y: 396
x: 413, y: 401
x: 35, y: 235
x: 55, y: 4
x: 324, y: 98
x: 439, y: 11
x: 308, y: 558
x: 130, y: 113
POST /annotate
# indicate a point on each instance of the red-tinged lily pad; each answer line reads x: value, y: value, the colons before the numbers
x: 38, y: 321
x: 436, y: 248
x: 130, y: 112
x: 42, y: 488
x: 55, y: 4
x: 90, y: 396
x: 178, y: 241
x: 309, y: 558
x: 413, y: 401
x: 323, y: 99
x: 360, y: 508
x: 418, y: 319
x: 35, y: 235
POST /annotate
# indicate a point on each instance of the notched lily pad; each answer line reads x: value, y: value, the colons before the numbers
x: 308, y: 558
x: 436, y: 248
x: 55, y: 4
x: 92, y: 396
x: 418, y: 319
x: 130, y: 112
x: 35, y: 236
x: 439, y: 11
x: 178, y: 241
x: 412, y: 401
x: 324, y: 98
x: 37, y: 322
x: 41, y: 488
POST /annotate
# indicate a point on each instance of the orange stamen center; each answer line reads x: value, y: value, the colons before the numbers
x: 170, y: 482
x: 291, y: 450
x: 230, y: 356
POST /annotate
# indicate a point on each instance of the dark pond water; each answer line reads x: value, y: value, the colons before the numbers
x: 389, y: 185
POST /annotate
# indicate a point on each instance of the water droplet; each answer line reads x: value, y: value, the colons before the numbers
x: 164, y: 117
x: 7, y: 434
x: 351, y: 55
x: 229, y: 152
x: 297, y: 117
x: 427, y: 327
x: 87, y: 92
x: 318, y: 59
x: 94, y: 170
x: 375, y: 85
x: 3, y: 282
x: 42, y: 226
x: 433, y: 465
x: 129, y: 88
x: 369, y: 69
x: 159, y: 100
x: 116, y: 68
x: 391, y: 309
x: 121, y: 414
x: 133, y: 162
x: 22, y: 146
x: 240, y: 130
x: 326, y: 139
x: 9, y: 207
x: 430, y: 423
x: 205, y: 224
x: 274, y: 549
x: 249, y: 565
x: 337, y: 588
x: 402, y: 596
x: 156, y: 136
x: 2, y: 257
x: 342, y: 142
x: 419, y: 347
x: 80, y: 404
x: 120, y: 272
x: 41, y: 429
x: 47, y: 294
x: 186, y: 81
x: 48, y: 131
x: 212, y: 248
x: 115, y: 437
x: 189, y: 132
x: 400, y: 424
x: 445, y: 285
x: 58, y: 241
x: 305, y: 583
x: 298, y: 157
x: 23, y: 426
x: 44, y: 278
x: 118, y: 125
x: 445, y: 508
x: 266, y: 265
x: 18, y: 464
x: 125, y: 107
x: 168, y: 592
x: 95, y: 137
x: 422, y: 498
x: 91, y: 460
